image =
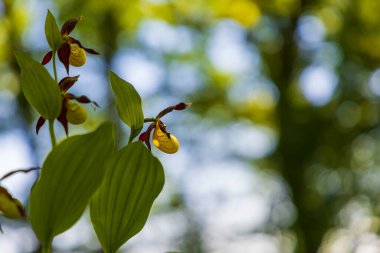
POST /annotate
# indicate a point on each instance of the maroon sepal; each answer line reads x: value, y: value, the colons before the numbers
x: 62, y: 117
x: 67, y: 82
x: 47, y: 58
x: 147, y: 136
x: 69, y: 95
x: 40, y: 123
x: 162, y: 127
x: 82, y: 99
x: 64, y: 54
x: 178, y: 107
x: 181, y: 106
x: 88, y: 50
x: 69, y: 25
x: 142, y: 137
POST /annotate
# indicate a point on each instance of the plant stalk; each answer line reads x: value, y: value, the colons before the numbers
x: 150, y: 120
x: 55, y: 68
x: 51, y: 122
x: 52, y: 134
x: 46, y: 248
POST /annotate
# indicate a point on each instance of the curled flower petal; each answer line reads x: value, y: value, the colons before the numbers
x: 178, y: 107
x: 47, y: 58
x: 9, y: 206
x: 77, y: 56
x: 86, y: 100
x: 40, y: 123
x: 90, y: 51
x: 64, y: 55
x: 76, y: 113
x: 165, y: 142
x: 62, y: 117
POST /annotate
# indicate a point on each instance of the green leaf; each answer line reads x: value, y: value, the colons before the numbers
x: 128, y: 103
x: 39, y: 88
x: 120, y: 207
x: 53, y: 35
x: 69, y: 177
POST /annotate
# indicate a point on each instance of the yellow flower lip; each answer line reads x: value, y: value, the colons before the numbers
x: 165, y: 142
x: 76, y: 113
x: 77, y: 56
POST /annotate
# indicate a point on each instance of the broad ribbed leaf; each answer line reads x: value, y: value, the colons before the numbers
x: 69, y: 176
x: 128, y: 103
x: 53, y: 35
x: 120, y: 207
x: 39, y: 88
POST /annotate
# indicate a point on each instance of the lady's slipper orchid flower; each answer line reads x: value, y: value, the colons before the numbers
x: 71, y: 111
x: 9, y: 206
x: 71, y: 51
x: 77, y: 56
x: 163, y: 140
x: 76, y: 114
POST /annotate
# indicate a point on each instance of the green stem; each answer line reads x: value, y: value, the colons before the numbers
x: 55, y: 68
x: 150, y: 120
x: 51, y: 122
x: 46, y: 248
x: 130, y: 138
x: 52, y: 134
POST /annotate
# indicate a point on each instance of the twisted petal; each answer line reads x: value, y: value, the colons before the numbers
x: 40, y: 123
x: 64, y: 55
x: 10, y: 207
x: 165, y: 142
x: 69, y: 25
x: 86, y: 100
x: 67, y: 82
x: 62, y: 117
x: 179, y: 107
x: 77, y: 56
x: 76, y: 113
x: 88, y: 50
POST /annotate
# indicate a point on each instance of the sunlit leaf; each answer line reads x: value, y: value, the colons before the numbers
x: 69, y: 176
x: 128, y: 103
x: 53, y: 35
x: 38, y: 86
x: 120, y: 207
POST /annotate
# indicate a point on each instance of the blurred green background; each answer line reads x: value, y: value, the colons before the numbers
x: 279, y: 152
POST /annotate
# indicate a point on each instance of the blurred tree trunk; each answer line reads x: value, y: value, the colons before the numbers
x: 300, y: 132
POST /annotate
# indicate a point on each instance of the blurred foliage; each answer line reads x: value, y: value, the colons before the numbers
x: 326, y: 152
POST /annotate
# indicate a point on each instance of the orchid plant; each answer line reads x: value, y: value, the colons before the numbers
x: 120, y: 185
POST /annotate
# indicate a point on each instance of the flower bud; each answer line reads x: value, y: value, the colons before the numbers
x: 76, y: 113
x: 167, y: 143
x: 77, y: 56
x: 10, y: 207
